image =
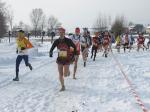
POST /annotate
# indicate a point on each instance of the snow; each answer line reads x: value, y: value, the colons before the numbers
x: 100, y: 87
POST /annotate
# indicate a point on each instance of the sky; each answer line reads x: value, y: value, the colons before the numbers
x: 82, y: 13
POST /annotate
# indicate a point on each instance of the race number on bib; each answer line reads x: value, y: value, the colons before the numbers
x: 63, y: 54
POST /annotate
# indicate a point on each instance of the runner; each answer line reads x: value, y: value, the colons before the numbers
x: 106, y: 42
x: 112, y: 40
x: 76, y: 40
x: 85, y: 45
x: 140, y: 42
x: 125, y: 41
x: 23, y: 45
x: 95, y: 45
x: 118, y: 43
x: 132, y: 41
x: 100, y: 46
x: 63, y: 45
x: 148, y: 43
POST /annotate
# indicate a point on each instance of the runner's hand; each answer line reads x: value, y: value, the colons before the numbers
x: 17, y: 51
x: 50, y: 55
x: 75, y: 57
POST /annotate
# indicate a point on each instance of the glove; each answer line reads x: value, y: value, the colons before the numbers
x: 50, y: 55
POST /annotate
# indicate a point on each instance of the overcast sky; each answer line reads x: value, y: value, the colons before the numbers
x: 82, y: 13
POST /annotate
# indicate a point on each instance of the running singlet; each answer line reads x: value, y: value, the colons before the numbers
x: 141, y: 40
x: 126, y: 39
x: 95, y: 41
x: 63, y: 46
x: 106, y: 41
x: 62, y: 50
x: 76, y: 41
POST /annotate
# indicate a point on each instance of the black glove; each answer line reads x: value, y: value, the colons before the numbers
x: 17, y: 51
x: 23, y: 48
x: 50, y: 55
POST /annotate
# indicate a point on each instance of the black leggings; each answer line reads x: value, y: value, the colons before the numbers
x: 94, y: 51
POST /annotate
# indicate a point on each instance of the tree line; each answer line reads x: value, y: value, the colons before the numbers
x: 41, y: 23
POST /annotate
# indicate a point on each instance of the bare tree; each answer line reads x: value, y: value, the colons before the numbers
x: 36, y: 17
x: 43, y: 22
x: 27, y: 28
x: 10, y: 17
x: 131, y: 23
x: 53, y: 23
x: 3, y: 26
x: 2, y: 7
x: 21, y: 25
x: 119, y: 25
x: 102, y: 22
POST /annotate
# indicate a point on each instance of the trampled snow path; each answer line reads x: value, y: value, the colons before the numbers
x: 100, y: 86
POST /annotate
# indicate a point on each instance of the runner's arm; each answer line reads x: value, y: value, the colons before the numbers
x: 73, y: 45
x: 53, y: 47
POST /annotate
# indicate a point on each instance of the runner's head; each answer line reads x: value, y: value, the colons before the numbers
x: 61, y: 32
x: 77, y: 31
x: 97, y: 34
x: 21, y: 34
x: 85, y: 31
x: 106, y: 34
x: 140, y: 34
x: 127, y: 33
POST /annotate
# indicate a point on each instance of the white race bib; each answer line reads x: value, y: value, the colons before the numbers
x: 63, y: 54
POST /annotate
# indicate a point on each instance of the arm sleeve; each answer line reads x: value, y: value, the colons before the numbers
x: 53, y: 46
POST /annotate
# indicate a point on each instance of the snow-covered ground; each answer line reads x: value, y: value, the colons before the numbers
x: 100, y: 87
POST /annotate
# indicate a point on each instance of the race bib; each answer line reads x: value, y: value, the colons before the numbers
x: 63, y: 54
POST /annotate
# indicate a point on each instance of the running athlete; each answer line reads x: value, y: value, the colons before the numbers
x: 106, y: 42
x: 76, y: 40
x: 85, y: 45
x: 125, y: 41
x: 95, y: 42
x: 118, y: 43
x: 140, y: 42
x: 63, y: 45
x: 23, y: 44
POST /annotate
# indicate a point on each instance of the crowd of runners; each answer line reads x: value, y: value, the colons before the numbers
x: 70, y: 47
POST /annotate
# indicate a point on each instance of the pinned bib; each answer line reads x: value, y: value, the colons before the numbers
x: 63, y: 54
